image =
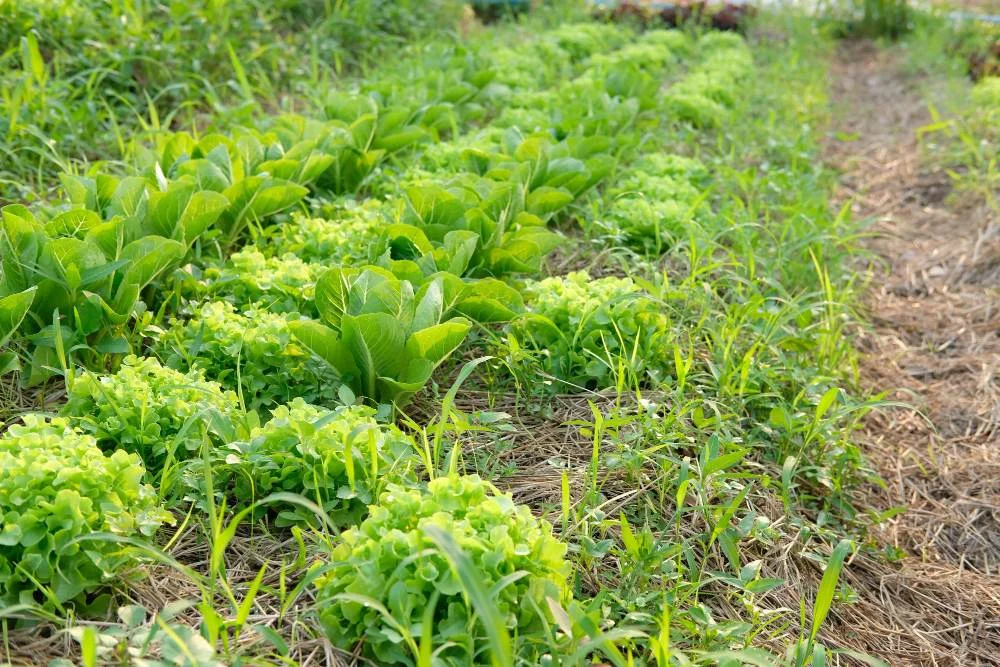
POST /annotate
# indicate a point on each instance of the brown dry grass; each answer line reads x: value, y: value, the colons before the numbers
x: 934, y: 306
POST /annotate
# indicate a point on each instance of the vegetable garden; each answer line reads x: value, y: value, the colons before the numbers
x: 526, y: 343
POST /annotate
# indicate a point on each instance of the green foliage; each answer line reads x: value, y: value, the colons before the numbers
x: 152, y: 639
x: 338, y: 459
x: 986, y: 96
x: 130, y: 208
x: 350, y: 145
x: 581, y: 40
x: 383, y: 337
x: 160, y: 414
x: 654, y: 203
x: 342, y: 237
x: 57, y: 486
x: 257, y: 175
x: 250, y: 351
x: 55, y: 21
x: 284, y: 284
x: 441, y: 171
x: 505, y: 237
x: 502, y: 205
x: 13, y: 309
x: 588, y: 331
x: 873, y: 18
x: 364, y: 28
x: 108, y: 72
x: 706, y: 95
x: 87, y: 276
x: 389, y: 585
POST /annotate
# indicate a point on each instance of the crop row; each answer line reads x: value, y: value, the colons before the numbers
x: 442, y: 202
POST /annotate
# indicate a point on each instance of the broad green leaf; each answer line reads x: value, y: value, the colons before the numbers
x: 257, y: 197
x: 108, y: 236
x: 148, y: 257
x: 13, y: 308
x: 520, y: 257
x: 331, y: 294
x: 129, y: 198
x: 183, y: 214
x: 284, y: 169
x: 376, y: 290
x: 81, y: 190
x: 437, y: 342
x: 89, y: 314
x: 9, y: 362
x: 825, y: 403
x: 201, y: 212
x: 72, y: 223
x: 459, y: 249
x: 22, y: 243
x: 113, y: 345
x: 377, y: 342
x: 485, y: 310
x: 325, y: 343
x: 123, y: 306
x: 399, y: 140
x: 405, y: 241
x: 275, y: 197
x: 312, y: 168
x: 546, y: 200
x: 67, y: 254
x: 724, y: 461
x: 433, y: 205
x: 430, y: 306
x: 399, y: 391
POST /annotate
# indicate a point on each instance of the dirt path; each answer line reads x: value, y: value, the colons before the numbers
x: 934, y: 304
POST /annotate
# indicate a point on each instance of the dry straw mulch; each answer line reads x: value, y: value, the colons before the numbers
x: 934, y: 308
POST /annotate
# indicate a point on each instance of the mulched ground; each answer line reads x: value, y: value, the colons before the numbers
x: 934, y: 308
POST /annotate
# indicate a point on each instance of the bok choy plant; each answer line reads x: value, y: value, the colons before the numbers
x: 384, y: 336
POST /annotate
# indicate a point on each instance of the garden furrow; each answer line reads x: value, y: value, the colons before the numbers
x: 935, y: 341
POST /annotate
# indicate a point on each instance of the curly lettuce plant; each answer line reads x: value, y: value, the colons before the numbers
x: 159, y: 413
x: 338, y: 459
x: 581, y: 40
x: 56, y: 485
x: 706, y: 95
x: 341, y: 237
x: 654, y: 203
x: 985, y: 97
x: 643, y: 173
x: 282, y: 284
x: 586, y: 331
x: 390, y: 585
x: 250, y: 351
x: 646, y: 223
x: 693, y: 107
